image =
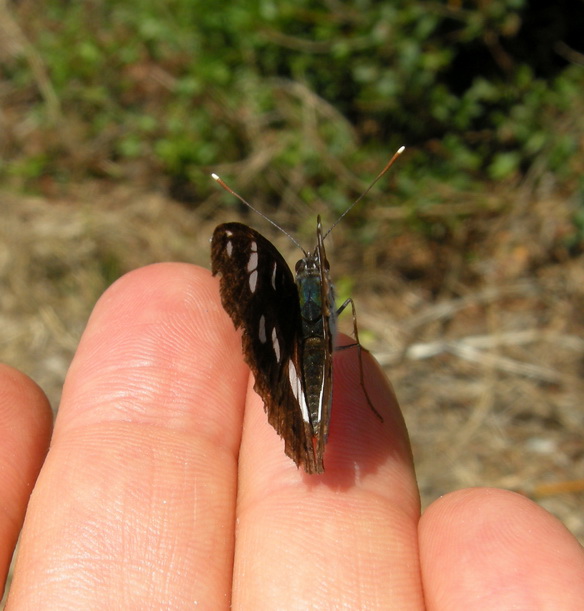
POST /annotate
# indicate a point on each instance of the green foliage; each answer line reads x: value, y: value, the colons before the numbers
x: 325, y: 90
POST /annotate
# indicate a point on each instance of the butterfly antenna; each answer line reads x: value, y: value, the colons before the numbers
x: 243, y: 201
x: 399, y: 151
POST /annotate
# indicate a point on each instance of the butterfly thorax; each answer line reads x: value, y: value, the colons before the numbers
x: 309, y: 283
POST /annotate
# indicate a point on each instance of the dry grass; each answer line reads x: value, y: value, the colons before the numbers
x: 486, y: 354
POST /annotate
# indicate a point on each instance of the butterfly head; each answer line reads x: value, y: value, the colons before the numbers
x: 314, y: 262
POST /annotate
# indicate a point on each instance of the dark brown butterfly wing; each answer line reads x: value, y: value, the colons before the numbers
x: 259, y: 294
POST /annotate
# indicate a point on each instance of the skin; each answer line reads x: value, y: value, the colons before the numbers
x: 165, y: 486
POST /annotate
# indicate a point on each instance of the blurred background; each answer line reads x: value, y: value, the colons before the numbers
x: 465, y: 261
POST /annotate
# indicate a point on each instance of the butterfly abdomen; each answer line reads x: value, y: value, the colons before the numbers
x: 312, y: 360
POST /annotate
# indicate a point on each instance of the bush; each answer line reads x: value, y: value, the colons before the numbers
x: 290, y: 95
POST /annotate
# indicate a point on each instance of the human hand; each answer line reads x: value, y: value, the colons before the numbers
x: 166, y: 488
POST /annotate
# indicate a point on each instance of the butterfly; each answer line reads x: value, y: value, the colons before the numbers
x: 289, y: 330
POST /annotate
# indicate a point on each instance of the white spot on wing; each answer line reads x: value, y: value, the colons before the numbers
x: 229, y: 248
x: 253, y: 262
x: 253, y: 280
x: 274, y: 276
x: 262, y: 329
x: 297, y: 390
x: 276, y: 344
x: 254, y: 246
x: 321, y: 399
x: 229, y: 233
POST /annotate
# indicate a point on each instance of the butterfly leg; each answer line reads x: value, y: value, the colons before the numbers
x: 360, y: 348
